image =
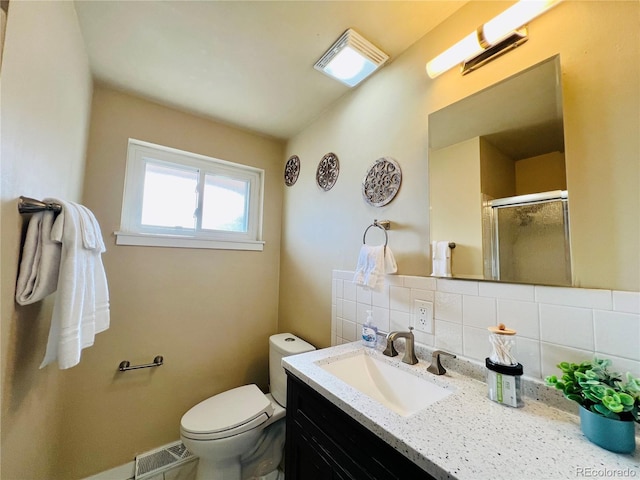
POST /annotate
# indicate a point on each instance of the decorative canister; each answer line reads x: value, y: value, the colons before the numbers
x: 503, y: 370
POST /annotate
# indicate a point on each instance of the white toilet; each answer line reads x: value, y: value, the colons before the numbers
x: 239, y: 434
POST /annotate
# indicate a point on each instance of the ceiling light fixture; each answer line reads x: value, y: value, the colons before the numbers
x: 496, y: 37
x: 351, y: 59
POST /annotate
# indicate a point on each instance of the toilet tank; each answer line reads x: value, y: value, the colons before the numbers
x: 280, y: 346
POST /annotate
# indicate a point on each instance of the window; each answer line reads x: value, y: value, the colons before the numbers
x: 174, y: 198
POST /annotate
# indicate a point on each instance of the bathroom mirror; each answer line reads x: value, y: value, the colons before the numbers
x: 497, y: 180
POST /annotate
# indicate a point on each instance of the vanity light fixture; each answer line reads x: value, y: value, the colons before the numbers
x: 496, y: 37
x: 351, y: 59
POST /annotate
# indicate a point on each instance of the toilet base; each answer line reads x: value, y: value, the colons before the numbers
x: 208, y: 472
x: 275, y: 475
x: 218, y: 459
x: 265, y: 458
x: 228, y: 470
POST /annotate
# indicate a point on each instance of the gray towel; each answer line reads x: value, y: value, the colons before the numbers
x: 40, y: 263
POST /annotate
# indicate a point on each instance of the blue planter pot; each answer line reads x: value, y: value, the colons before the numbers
x: 613, y: 435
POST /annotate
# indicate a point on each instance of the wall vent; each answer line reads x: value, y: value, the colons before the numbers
x: 162, y: 459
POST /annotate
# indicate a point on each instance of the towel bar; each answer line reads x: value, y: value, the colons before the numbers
x: 31, y: 205
x: 125, y: 365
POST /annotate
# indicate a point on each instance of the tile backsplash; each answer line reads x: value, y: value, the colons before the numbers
x: 554, y: 324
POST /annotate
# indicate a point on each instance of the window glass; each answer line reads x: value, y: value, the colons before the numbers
x: 225, y: 204
x: 170, y: 196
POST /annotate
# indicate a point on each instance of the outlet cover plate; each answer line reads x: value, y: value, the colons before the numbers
x: 423, y: 316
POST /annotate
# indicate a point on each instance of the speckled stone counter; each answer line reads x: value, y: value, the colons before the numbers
x: 466, y: 436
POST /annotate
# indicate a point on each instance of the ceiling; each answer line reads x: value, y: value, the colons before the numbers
x: 245, y: 63
x: 521, y: 116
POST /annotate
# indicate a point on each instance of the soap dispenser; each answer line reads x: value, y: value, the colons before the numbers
x: 369, y: 331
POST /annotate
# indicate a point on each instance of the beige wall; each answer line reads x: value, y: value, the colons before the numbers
x: 541, y: 174
x: 497, y: 172
x: 388, y: 115
x: 46, y: 98
x: 456, y: 201
x: 208, y: 312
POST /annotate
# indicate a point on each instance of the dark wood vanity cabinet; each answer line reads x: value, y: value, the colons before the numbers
x: 325, y: 443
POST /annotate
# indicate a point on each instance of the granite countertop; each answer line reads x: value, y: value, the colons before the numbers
x: 466, y: 436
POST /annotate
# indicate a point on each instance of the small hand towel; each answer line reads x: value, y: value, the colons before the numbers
x: 81, y: 308
x: 40, y: 262
x: 373, y: 264
x: 441, y: 259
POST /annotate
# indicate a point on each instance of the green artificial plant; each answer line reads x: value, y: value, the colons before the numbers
x: 593, y: 386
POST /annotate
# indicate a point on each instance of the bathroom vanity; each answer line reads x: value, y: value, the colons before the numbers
x: 323, y: 442
x: 335, y: 431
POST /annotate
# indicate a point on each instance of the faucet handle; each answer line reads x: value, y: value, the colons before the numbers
x: 437, y: 353
x: 390, y: 351
x: 436, y: 367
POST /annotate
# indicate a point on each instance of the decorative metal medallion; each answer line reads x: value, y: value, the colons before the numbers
x: 382, y: 182
x: 328, y: 170
x: 291, y: 170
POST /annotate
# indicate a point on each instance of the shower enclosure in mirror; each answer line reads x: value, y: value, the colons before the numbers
x: 524, y: 226
x: 497, y: 180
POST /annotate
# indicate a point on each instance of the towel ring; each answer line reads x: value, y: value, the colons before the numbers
x: 383, y: 225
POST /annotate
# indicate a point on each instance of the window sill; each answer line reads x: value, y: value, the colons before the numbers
x: 175, y: 241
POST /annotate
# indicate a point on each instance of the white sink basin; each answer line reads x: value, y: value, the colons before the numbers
x: 394, y: 388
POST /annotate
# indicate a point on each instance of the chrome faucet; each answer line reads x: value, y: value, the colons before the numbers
x: 409, y: 353
x: 436, y: 367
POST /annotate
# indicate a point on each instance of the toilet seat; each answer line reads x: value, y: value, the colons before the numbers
x: 226, y: 414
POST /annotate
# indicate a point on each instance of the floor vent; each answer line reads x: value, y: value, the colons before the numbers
x: 161, y: 459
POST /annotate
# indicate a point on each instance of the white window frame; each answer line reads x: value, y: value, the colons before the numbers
x: 132, y: 232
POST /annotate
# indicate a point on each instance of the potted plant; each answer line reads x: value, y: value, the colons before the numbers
x: 609, y: 403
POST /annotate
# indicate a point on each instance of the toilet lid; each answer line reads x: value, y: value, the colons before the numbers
x: 232, y: 409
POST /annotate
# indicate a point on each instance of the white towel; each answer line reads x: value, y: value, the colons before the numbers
x: 40, y: 262
x: 441, y: 259
x: 373, y: 264
x: 81, y: 308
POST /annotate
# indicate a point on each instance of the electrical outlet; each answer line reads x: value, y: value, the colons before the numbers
x: 423, y: 316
